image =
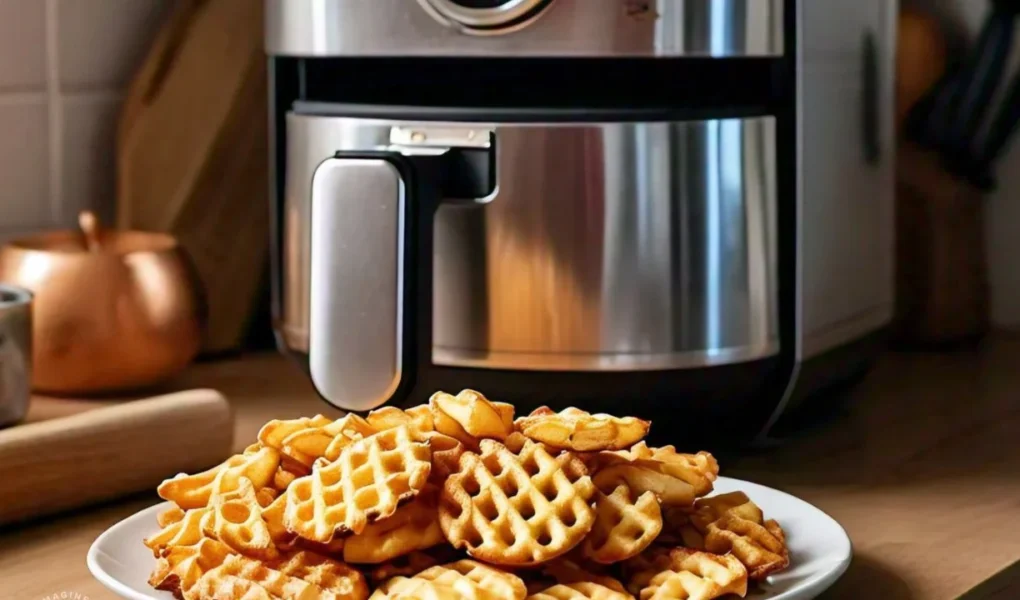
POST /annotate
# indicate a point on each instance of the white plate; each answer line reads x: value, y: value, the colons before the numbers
x: 819, y: 548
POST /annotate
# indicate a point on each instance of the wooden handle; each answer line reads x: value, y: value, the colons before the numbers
x: 59, y: 464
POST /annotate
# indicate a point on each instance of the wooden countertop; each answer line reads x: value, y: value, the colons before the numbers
x: 922, y: 469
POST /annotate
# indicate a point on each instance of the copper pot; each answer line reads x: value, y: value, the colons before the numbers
x: 113, y: 310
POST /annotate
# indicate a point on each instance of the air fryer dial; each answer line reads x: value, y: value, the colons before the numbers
x: 486, y: 17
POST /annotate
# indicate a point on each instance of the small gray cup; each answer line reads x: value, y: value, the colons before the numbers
x: 15, y: 353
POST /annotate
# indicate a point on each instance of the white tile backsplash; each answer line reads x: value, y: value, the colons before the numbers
x: 64, y: 65
x: 102, y: 41
x: 22, y: 45
x: 24, y: 165
x: 88, y: 143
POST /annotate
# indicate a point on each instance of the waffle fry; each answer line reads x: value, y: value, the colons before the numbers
x: 414, y: 526
x: 625, y: 524
x: 575, y: 429
x: 186, y: 532
x: 516, y: 504
x: 236, y: 520
x: 169, y: 516
x: 582, y: 590
x: 331, y: 576
x: 760, y: 547
x: 643, y: 476
x: 274, y: 432
x: 194, y: 491
x: 462, y: 579
x: 369, y: 480
x: 476, y: 415
x: 696, y: 575
x: 229, y: 587
x: 709, y: 510
x: 239, y: 568
x: 182, y: 566
x: 573, y: 498
x: 419, y: 419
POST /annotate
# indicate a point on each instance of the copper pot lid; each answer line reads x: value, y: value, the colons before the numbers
x: 92, y: 238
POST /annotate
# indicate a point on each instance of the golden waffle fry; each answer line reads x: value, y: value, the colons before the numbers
x: 229, y: 587
x: 581, y: 590
x: 331, y: 576
x: 277, y: 584
x: 699, y: 470
x: 696, y: 575
x: 236, y: 520
x: 169, y: 516
x: 575, y: 429
x: 185, y: 532
x: 646, y: 476
x: 446, y: 453
x: 274, y: 432
x: 366, y: 483
x: 462, y: 579
x: 448, y: 426
x: 415, y: 526
x: 272, y: 516
x: 517, y: 505
x: 625, y: 524
x: 193, y: 491
x: 419, y: 419
x: 182, y: 566
x: 477, y: 416
x: 709, y: 510
x: 282, y: 479
x: 760, y: 547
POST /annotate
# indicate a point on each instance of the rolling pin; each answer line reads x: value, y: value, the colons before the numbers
x: 97, y: 455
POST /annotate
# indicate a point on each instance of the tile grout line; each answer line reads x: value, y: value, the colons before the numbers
x: 56, y: 117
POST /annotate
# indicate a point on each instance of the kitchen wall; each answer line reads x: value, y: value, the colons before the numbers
x: 1002, y: 216
x: 64, y: 65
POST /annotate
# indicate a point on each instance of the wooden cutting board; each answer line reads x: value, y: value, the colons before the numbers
x: 192, y: 156
x: 71, y: 453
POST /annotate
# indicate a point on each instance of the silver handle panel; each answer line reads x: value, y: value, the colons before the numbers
x: 357, y: 274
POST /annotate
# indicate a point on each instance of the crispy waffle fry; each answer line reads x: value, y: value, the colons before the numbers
x: 575, y: 429
x: 331, y: 576
x: 239, y: 568
x: 274, y: 432
x: 182, y: 566
x: 699, y: 470
x: 625, y: 524
x: 517, y: 505
x: 414, y: 526
x: 194, y: 491
x: 169, y: 516
x: 236, y: 520
x: 462, y: 579
x: 697, y: 575
x: 760, y: 547
x: 477, y: 416
x: 638, y: 571
x: 229, y: 587
x: 581, y: 590
x: 369, y: 480
x: 709, y: 510
x: 646, y: 476
x: 186, y: 532
x: 446, y: 450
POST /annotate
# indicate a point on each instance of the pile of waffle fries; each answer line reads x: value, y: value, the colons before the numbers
x: 457, y: 499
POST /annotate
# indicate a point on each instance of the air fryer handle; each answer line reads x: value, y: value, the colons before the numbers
x: 361, y: 334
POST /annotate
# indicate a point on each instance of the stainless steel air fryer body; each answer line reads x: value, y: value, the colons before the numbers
x: 586, y: 202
